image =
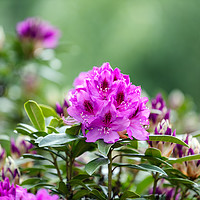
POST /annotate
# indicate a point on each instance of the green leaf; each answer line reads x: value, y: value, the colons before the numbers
x: 167, y: 138
x: 54, y: 122
x: 63, y: 188
x: 4, y: 137
x: 32, y: 181
x: 182, y: 181
x: 103, y: 147
x: 57, y: 139
x: 97, y: 194
x: 25, y: 129
x: 35, y: 114
x: 79, y: 194
x: 35, y: 157
x: 48, y: 111
x: 93, y: 165
x: 144, y: 167
x: 80, y: 147
x: 183, y: 159
x: 144, y: 184
x: 129, y: 194
x: 153, y: 152
x: 74, y: 130
x: 149, y: 158
x: 79, y: 183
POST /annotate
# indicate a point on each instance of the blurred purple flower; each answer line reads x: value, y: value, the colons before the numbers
x: 166, y: 148
x: 167, y: 192
x: 21, y: 146
x: 62, y: 110
x: 2, y: 157
x: 160, y: 111
x: 11, y: 192
x: 108, y: 105
x: 38, y: 32
x: 11, y: 171
x: 189, y: 168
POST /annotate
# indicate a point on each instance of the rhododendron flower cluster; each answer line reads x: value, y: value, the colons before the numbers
x: 38, y: 32
x: 106, y: 102
x: 11, y: 192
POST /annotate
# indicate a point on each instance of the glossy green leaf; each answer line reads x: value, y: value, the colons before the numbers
x: 4, y: 137
x: 63, y: 188
x: 48, y: 111
x: 144, y: 167
x: 79, y: 194
x: 35, y: 115
x: 79, y: 183
x: 182, y: 181
x: 167, y: 138
x: 103, y: 147
x: 74, y: 130
x: 129, y: 194
x: 81, y: 147
x: 97, y: 194
x: 183, y: 159
x: 93, y: 165
x: 25, y: 129
x: 153, y: 152
x: 57, y: 139
x: 35, y: 157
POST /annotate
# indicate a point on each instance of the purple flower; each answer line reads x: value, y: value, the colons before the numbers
x: 11, y: 192
x: 42, y: 194
x: 38, y: 32
x: 108, y: 105
x: 2, y: 157
x: 11, y: 171
x: 21, y: 146
x: 62, y: 110
x: 163, y: 128
x: 189, y: 168
x: 161, y: 111
x: 106, y: 125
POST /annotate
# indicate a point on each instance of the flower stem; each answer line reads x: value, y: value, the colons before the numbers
x: 155, y: 182
x: 110, y: 174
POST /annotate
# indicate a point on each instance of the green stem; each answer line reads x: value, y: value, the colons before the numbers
x: 110, y: 175
x: 56, y: 166
x: 155, y: 182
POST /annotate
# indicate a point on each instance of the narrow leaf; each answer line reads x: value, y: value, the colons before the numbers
x: 167, y: 138
x: 35, y: 157
x: 97, y: 194
x: 144, y: 167
x: 129, y: 194
x: 35, y: 114
x: 57, y: 139
x: 103, y: 147
x: 183, y: 159
x: 93, y: 165
x: 4, y: 137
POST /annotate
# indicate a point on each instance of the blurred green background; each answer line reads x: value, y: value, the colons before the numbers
x: 156, y: 42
